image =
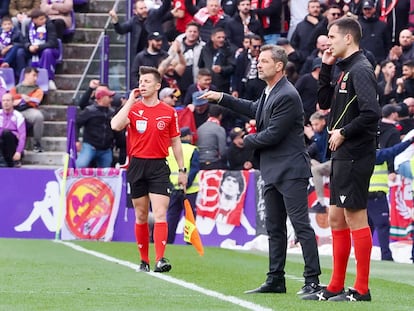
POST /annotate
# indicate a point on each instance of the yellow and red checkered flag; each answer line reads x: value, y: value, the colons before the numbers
x: 190, y: 231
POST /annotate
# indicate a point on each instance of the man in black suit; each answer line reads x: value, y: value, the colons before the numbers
x: 284, y: 165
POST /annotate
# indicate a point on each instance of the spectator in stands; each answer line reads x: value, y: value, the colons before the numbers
x: 317, y: 134
x: 59, y: 11
x: 41, y: 46
x: 269, y: 13
x: 246, y: 82
x: 185, y: 114
x: 389, y: 135
x: 144, y: 22
x: 405, y: 122
x: 212, y: 140
x: 88, y: 96
x: 191, y: 46
x: 238, y: 157
x: 203, y: 83
x: 192, y: 166
x: 27, y: 97
x: 332, y: 13
x: 172, y: 68
x: 12, y: 133
x: 151, y: 56
x: 403, y: 52
x: 375, y: 35
x: 11, y: 40
x: 218, y: 55
x: 405, y: 83
x: 209, y: 17
x: 387, y: 85
x: 301, y: 38
x: 295, y: 57
x: 201, y: 108
x: 321, y: 46
x: 4, y: 8
x: 307, y: 86
x: 242, y: 23
x: 98, y: 136
x: 21, y: 11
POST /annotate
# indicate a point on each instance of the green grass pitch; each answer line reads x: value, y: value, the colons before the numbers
x: 44, y: 275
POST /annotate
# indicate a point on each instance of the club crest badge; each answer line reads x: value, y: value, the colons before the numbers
x: 161, y: 125
x: 141, y: 126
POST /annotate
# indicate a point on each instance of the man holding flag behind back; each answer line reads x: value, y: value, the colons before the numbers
x: 152, y: 127
x: 192, y: 165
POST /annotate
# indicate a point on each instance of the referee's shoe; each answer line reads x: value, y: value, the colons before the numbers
x: 163, y: 265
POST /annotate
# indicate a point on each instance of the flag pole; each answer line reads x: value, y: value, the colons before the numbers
x: 62, y: 200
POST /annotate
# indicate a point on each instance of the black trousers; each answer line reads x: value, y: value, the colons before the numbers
x: 289, y: 198
x: 8, y: 145
x: 379, y: 219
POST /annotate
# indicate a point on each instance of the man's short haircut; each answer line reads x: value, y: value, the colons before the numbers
x: 348, y: 25
x: 334, y: 6
x: 240, y: 1
x: 216, y: 30
x: 278, y: 53
x: 30, y: 69
x: 317, y: 115
x: 143, y: 70
x: 313, y: 1
x: 409, y: 63
x: 385, y: 62
x: 6, y: 19
x: 204, y: 72
x: 255, y: 37
x: 215, y: 110
x: 192, y: 23
x: 37, y: 13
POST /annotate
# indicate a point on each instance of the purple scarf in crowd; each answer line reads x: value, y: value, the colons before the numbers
x: 37, y: 36
x: 5, y: 39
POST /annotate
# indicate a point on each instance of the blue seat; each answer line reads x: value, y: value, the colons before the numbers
x: 8, y: 76
x: 42, y: 79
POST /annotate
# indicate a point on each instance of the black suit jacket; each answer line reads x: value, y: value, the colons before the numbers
x: 279, y: 141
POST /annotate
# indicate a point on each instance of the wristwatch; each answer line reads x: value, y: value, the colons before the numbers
x: 182, y: 170
x: 342, y: 132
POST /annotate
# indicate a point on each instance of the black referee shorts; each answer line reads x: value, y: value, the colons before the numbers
x: 349, y: 182
x: 148, y: 176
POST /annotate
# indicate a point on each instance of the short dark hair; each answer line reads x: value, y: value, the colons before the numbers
x: 348, y: 25
x: 215, y: 110
x: 216, y: 30
x: 30, y: 69
x: 204, y: 72
x: 192, y: 23
x: 6, y: 18
x: 409, y: 63
x: 37, y: 13
x: 150, y: 70
x: 256, y: 37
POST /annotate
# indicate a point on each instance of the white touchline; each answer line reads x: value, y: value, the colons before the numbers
x: 243, y: 303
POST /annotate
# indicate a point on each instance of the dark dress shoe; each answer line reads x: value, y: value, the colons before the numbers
x: 268, y: 288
